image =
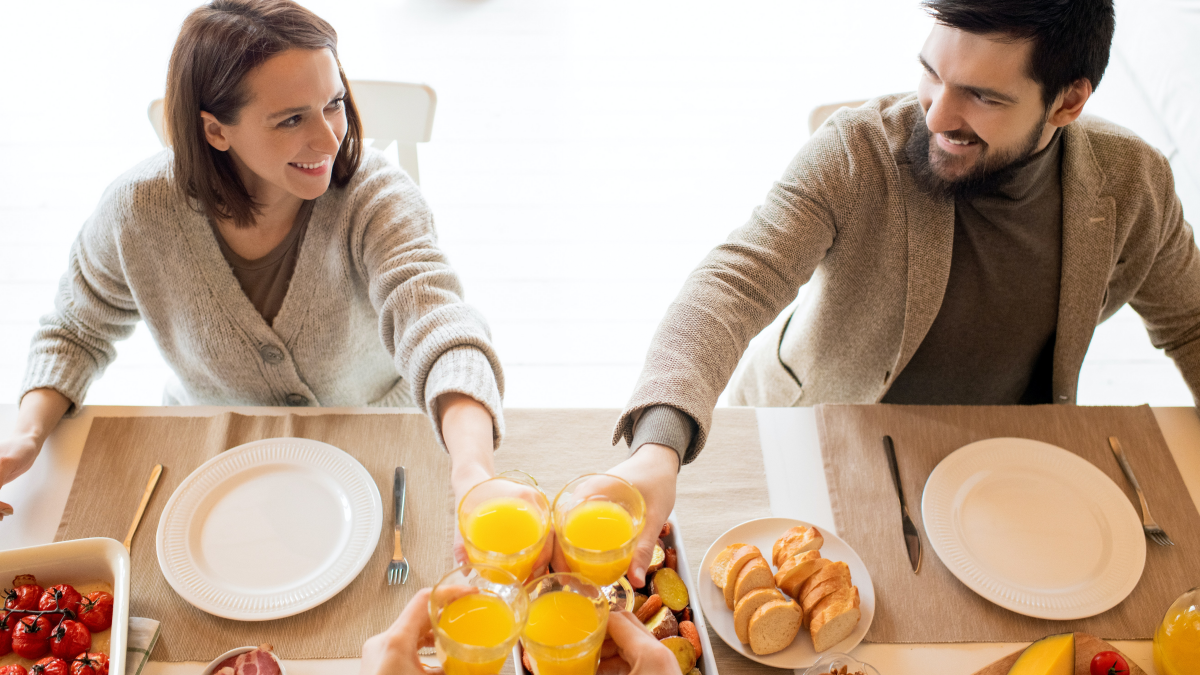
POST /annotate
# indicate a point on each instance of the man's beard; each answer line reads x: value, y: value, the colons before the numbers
x: 989, y: 173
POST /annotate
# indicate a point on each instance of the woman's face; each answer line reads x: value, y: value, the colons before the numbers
x: 289, y: 131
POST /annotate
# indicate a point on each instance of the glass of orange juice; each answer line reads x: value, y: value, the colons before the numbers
x: 504, y: 522
x: 568, y: 619
x: 597, y: 520
x: 477, y: 614
x: 1177, y: 640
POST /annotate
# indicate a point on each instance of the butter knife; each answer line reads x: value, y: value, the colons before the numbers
x: 912, y: 541
x: 137, y: 517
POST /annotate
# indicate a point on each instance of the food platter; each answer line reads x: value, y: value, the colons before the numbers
x: 763, y: 533
x: 306, y: 514
x: 1034, y: 528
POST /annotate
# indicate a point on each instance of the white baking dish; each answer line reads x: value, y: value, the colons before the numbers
x: 707, y: 664
x: 75, y: 562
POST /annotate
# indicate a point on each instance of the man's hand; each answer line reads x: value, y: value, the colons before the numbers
x: 652, y: 470
x: 395, y: 649
x: 639, y: 652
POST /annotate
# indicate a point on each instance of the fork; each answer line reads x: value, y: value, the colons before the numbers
x: 1153, y: 531
x: 397, y: 571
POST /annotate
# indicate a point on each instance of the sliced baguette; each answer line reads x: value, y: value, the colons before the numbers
x: 721, y: 563
x: 830, y: 571
x: 810, y: 541
x: 745, y: 607
x: 737, y: 560
x: 774, y: 626
x: 782, y: 542
x: 802, y: 558
x: 789, y: 582
x: 845, y: 596
x: 834, y: 624
x: 755, y: 574
x: 819, y: 593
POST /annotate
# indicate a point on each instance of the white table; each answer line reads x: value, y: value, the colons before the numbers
x: 790, y: 448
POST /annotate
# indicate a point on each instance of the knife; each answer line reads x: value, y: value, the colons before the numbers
x: 912, y: 541
x: 137, y: 518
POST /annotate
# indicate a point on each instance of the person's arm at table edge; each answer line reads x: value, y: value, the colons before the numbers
x: 38, y: 415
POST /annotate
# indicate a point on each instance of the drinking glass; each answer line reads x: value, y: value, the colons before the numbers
x: 477, y: 614
x: 1177, y: 640
x: 504, y: 522
x: 597, y: 520
x: 568, y: 619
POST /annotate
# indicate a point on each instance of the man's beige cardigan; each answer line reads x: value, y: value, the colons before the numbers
x: 848, y: 219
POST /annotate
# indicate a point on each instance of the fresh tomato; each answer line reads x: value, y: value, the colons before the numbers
x: 69, y: 639
x: 92, y: 663
x: 61, y: 596
x: 24, y: 595
x: 51, y: 665
x: 8, y: 622
x: 13, y: 669
x: 31, y: 638
x: 96, y: 611
x: 1109, y: 663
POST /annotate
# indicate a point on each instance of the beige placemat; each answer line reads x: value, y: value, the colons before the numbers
x: 116, y: 462
x: 933, y: 606
x: 725, y: 486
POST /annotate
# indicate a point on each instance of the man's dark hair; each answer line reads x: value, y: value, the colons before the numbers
x: 1071, y: 38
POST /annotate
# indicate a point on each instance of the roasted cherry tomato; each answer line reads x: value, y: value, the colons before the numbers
x: 58, y: 597
x: 70, y: 639
x: 22, y: 596
x: 8, y: 623
x: 13, y: 669
x: 51, y: 665
x: 31, y: 638
x: 92, y: 663
x: 96, y: 610
x: 1109, y: 663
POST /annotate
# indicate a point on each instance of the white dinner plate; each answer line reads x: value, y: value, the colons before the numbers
x: 269, y: 529
x: 763, y: 533
x: 1033, y: 528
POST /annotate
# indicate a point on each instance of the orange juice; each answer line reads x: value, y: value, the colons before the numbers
x: 478, y: 620
x: 1177, y: 640
x: 510, y: 527
x: 598, y: 525
x: 559, y: 619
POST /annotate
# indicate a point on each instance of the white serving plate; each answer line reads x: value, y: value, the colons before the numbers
x: 75, y: 562
x: 1033, y: 528
x: 269, y: 529
x: 763, y: 533
x: 707, y: 664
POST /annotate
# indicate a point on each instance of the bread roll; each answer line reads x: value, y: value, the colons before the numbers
x: 745, y: 607
x: 737, y: 560
x: 755, y: 574
x: 773, y: 626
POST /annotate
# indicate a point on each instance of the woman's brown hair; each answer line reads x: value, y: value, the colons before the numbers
x: 218, y: 46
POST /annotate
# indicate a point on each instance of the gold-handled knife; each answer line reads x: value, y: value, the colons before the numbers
x: 912, y: 540
x: 137, y: 518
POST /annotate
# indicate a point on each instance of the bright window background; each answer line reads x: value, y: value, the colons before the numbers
x: 585, y: 156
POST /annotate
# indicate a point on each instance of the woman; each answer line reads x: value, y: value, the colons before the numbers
x: 275, y: 260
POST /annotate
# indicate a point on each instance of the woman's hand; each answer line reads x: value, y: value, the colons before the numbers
x: 17, y: 454
x: 652, y: 470
x: 467, y: 430
x: 395, y: 649
x: 639, y: 652
x: 40, y: 411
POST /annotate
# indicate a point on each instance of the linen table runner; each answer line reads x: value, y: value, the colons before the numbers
x: 933, y: 606
x: 116, y: 461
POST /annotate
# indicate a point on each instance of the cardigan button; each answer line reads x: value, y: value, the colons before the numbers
x: 271, y: 354
x: 296, y: 400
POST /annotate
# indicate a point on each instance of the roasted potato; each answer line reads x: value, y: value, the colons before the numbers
x: 668, y: 586
x: 663, y: 624
x: 656, y: 560
x: 684, y: 652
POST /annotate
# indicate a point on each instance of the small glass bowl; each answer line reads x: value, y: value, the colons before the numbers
x: 830, y: 662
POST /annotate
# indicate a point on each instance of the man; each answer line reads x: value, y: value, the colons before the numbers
x: 962, y: 243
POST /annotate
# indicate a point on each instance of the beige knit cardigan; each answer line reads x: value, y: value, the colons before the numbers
x: 374, y: 314
x: 847, y: 219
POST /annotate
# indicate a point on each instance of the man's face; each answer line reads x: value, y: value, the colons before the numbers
x: 983, y: 113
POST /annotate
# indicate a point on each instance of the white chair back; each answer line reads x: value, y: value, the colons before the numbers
x: 397, y: 113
